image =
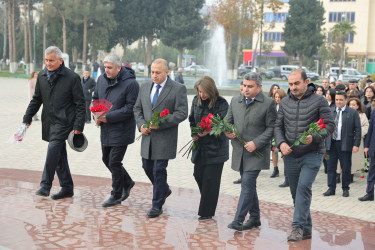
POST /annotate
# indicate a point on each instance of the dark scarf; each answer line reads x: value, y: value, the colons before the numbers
x: 51, y: 75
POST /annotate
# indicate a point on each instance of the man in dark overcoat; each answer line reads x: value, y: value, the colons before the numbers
x: 88, y: 86
x: 59, y: 90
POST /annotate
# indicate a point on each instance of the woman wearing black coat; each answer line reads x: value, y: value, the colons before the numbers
x: 211, y: 153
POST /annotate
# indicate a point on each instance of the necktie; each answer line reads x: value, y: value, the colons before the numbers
x: 156, y: 95
x: 335, y: 133
x: 248, y: 101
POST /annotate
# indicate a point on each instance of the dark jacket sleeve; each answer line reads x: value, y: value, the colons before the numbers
x: 370, y: 130
x: 34, y: 104
x: 125, y: 112
x: 357, y: 130
x: 79, y: 101
x: 229, y: 115
x: 192, y: 121
x: 264, y: 138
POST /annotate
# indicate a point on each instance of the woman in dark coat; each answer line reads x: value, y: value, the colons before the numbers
x: 211, y: 153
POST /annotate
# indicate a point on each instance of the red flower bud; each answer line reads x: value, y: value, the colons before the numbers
x: 210, y: 116
x: 202, y: 125
x: 322, y: 126
x: 166, y: 111
x: 208, y: 129
x: 320, y: 122
x: 362, y: 176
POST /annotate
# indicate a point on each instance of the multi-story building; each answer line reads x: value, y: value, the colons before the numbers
x: 361, y: 45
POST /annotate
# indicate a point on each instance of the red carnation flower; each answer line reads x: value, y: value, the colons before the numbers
x: 320, y: 122
x: 162, y: 114
x: 322, y: 126
x: 210, y: 116
x: 362, y: 176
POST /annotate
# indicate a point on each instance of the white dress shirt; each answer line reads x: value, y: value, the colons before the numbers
x: 339, y: 125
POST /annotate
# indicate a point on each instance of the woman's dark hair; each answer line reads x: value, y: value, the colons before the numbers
x: 319, y: 87
x: 332, y: 93
x: 373, y: 91
x: 270, y: 94
x: 361, y: 107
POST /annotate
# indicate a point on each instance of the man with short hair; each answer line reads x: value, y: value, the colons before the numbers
x: 338, y: 82
x: 254, y: 114
x: 353, y: 85
x: 95, y: 68
x: 179, y: 78
x: 325, y: 85
x: 159, y: 144
x: 117, y: 127
x: 296, y: 112
x: 344, y: 141
x: 59, y: 90
x: 88, y: 86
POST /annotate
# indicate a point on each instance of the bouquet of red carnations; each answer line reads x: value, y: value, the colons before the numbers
x: 100, y: 107
x: 156, y: 119
x: 19, y: 135
x: 201, y: 127
x: 221, y: 126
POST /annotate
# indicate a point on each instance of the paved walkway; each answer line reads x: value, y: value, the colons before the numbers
x: 30, y: 155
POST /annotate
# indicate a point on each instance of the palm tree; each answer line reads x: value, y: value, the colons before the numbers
x: 339, y: 33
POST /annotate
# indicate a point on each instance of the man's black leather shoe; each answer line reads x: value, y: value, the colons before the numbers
x: 237, y: 181
x: 111, y: 202
x: 285, y: 184
x: 329, y: 192
x: 205, y: 217
x: 236, y: 225
x: 63, y: 194
x: 367, y: 197
x: 154, y: 212
x: 42, y: 192
x: 126, y: 191
x: 251, y: 224
x: 345, y: 193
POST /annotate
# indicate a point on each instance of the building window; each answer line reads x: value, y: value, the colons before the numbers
x: 273, y: 37
x: 349, y: 38
x: 334, y: 17
x: 270, y: 17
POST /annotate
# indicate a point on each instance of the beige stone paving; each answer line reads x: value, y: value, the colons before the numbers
x: 30, y: 154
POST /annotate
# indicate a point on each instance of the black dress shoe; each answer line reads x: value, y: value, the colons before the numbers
x: 251, y: 223
x: 154, y: 212
x: 367, y: 197
x: 42, y: 192
x: 205, y: 217
x: 63, y: 194
x: 236, y: 225
x: 126, y: 191
x: 329, y: 192
x: 237, y: 181
x: 285, y: 184
x: 345, y: 193
x: 111, y: 202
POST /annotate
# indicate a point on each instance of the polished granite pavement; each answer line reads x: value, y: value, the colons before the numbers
x: 28, y: 221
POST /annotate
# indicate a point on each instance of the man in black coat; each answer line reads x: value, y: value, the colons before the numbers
x: 118, y: 86
x: 59, y: 90
x: 345, y: 140
x: 88, y: 86
x: 179, y: 78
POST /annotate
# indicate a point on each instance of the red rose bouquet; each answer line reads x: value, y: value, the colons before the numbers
x: 156, y: 119
x: 203, y: 126
x: 221, y: 126
x: 366, y: 165
x: 100, y: 107
x: 316, y: 127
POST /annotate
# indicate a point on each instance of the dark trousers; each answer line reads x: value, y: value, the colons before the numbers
x: 88, y: 112
x: 57, y: 161
x: 371, y: 177
x: 112, y: 158
x: 208, y: 178
x: 156, y: 171
x: 345, y: 158
x: 248, y: 202
x: 301, y: 173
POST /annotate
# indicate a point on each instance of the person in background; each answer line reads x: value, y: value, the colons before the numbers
x: 273, y: 89
x: 344, y: 141
x: 32, y: 83
x: 59, y: 90
x: 211, y: 153
x: 320, y: 90
x: 95, y: 68
x: 358, y: 158
x: 325, y: 85
x: 179, y: 78
x: 368, y: 99
x: 332, y: 85
x: 330, y: 96
x: 88, y: 87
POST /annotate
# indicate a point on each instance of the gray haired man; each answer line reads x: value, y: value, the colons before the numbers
x: 254, y: 114
x: 59, y: 90
x: 118, y: 86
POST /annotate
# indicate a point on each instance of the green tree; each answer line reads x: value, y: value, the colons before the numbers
x: 183, y: 26
x: 339, y: 33
x: 302, y: 31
